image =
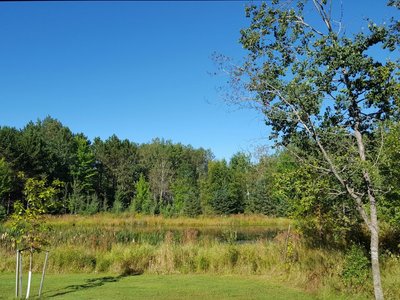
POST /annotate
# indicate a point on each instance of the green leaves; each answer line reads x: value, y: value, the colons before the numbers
x: 325, y: 96
x: 27, y: 222
x: 83, y: 169
x: 295, y: 66
x: 221, y: 192
x: 143, y: 201
x: 356, y: 268
x: 5, y: 181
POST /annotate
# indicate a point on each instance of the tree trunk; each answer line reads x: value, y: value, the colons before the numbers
x: 43, y: 274
x: 17, y: 275
x: 372, y: 222
x: 28, y: 289
x: 374, y: 227
x: 376, y: 274
x: 20, y: 275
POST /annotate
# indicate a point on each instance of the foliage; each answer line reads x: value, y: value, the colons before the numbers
x: 3, y: 213
x: 83, y: 169
x: 143, y: 201
x: 324, y: 93
x: 221, y: 191
x: 76, y: 199
x: 10, y: 146
x: 118, y: 167
x: 27, y: 226
x: 268, y: 191
x: 106, y: 174
x: 325, y: 219
x: 356, y: 268
x: 161, y: 173
x: 92, y: 205
x: 118, y: 206
x: 47, y: 148
x: 316, y: 83
x: 186, y: 201
x: 5, y: 185
x: 192, y: 207
x: 390, y: 171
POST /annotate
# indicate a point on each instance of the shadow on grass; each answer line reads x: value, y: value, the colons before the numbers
x: 89, y: 284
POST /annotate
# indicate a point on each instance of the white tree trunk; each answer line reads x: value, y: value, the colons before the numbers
x: 17, y: 275
x: 28, y: 289
x: 374, y: 226
x: 376, y: 273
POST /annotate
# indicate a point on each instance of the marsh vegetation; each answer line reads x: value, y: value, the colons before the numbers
x: 126, y: 244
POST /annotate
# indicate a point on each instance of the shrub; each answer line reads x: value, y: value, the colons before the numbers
x: 356, y: 268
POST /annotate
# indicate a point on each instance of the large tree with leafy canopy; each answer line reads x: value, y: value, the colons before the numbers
x: 322, y: 90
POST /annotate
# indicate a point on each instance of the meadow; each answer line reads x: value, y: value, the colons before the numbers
x: 209, y: 253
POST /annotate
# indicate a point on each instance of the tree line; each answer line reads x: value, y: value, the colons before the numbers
x: 172, y: 179
x: 118, y: 175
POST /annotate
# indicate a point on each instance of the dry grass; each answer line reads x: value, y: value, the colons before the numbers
x: 300, y: 267
x: 104, y: 243
x: 125, y: 219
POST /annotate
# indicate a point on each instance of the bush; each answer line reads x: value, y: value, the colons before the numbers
x: 356, y: 268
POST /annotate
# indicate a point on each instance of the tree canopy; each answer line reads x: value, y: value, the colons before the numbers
x: 160, y: 177
x: 326, y: 97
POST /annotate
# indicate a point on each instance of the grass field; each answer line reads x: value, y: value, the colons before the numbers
x: 181, y: 258
x: 105, y: 286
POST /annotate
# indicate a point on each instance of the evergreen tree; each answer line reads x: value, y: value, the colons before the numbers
x: 5, y: 187
x: 241, y: 168
x: 83, y: 169
x: 143, y: 201
x: 186, y: 200
x: 222, y: 192
x: 118, y: 162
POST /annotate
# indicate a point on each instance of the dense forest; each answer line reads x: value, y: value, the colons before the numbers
x: 117, y: 175
x: 171, y: 179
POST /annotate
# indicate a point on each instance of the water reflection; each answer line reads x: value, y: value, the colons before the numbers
x: 220, y: 234
x: 104, y: 236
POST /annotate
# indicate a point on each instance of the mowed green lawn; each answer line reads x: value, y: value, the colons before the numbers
x: 103, y: 286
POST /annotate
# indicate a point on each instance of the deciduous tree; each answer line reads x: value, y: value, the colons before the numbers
x: 323, y: 91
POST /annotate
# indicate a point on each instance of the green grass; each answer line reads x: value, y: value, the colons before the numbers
x: 105, y: 286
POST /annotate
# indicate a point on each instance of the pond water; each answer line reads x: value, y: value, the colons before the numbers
x: 224, y: 234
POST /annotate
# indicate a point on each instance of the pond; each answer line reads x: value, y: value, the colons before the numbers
x: 105, y: 236
x: 223, y: 234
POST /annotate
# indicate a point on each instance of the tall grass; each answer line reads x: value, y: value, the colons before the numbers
x: 79, y: 246
x: 111, y: 219
x: 311, y: 270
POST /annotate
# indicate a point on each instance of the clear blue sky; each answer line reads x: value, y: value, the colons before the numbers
x: 136, y: 69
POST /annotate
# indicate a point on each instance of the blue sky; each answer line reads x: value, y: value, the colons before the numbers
x: 136, y: 69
